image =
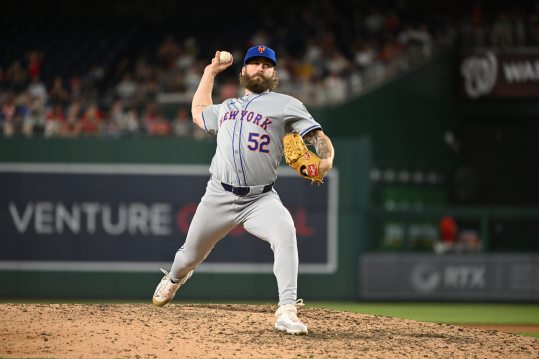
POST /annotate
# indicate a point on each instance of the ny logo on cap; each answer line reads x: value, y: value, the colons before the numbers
x: 261, y: 49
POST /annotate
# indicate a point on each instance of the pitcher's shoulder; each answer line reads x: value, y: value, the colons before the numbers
x: 281, y: 97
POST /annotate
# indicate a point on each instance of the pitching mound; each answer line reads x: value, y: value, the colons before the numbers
x: 236, y: 331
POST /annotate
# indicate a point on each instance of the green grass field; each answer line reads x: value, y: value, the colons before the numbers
x: 450, y: 313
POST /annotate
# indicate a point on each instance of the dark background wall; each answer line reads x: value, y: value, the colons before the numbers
x: 483, y: 153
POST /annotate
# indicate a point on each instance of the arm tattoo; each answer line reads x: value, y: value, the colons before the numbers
x: 323, y: 149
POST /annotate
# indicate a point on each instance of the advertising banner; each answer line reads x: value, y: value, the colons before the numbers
x: 119, y: 217
x: 494, y: 277
x: 500, y: 75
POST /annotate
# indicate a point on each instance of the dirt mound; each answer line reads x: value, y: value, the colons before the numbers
x: 236, y: 331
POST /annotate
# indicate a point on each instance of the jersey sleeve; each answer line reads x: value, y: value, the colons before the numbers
x: 210, y: 116
x: 297, y: 118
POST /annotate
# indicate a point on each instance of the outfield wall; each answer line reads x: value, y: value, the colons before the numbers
x: 96, y: 218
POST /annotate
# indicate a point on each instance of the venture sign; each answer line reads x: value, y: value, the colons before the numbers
x: 134, y: 217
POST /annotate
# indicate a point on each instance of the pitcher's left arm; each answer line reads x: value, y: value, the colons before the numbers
x: 323, y: 147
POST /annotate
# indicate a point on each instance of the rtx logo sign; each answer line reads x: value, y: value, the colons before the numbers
x: 428, y: 278
x: 465, y: 276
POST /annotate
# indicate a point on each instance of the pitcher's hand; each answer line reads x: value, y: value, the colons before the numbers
x: 215, y: 67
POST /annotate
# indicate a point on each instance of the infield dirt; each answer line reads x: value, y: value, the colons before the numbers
x: 236, y: 331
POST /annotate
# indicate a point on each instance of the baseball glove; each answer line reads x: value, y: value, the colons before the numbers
x: 303, y: 161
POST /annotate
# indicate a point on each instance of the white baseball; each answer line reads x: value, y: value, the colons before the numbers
x: 225, y: 57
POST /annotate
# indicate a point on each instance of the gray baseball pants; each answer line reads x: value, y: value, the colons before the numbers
x: 262, y: 215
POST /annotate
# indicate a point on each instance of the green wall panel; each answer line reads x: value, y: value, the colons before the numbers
x: 405, y: 119
x: 103, y: 150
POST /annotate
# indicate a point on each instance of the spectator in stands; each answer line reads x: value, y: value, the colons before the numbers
x: 161, y: 127
x: 285, y: 76
x: 168, y: 52
x: 365, y: 55
x: 8, y: 108
x: 187, y: 55
x: 17, y: 77
x: 37, y: 89
x: 469, y: 241
x: 337, y: 64
x: 147, y: 91
x: 154, y: 123
x: 191, y: 79
x: 91, y: 121
x: 54, y: 121
x: 355, y: 82
x: 131, y: 122
x: 313, y: 54
x: 109, y: 128
x: 182, y: 126
x: 173, y: 81
x: 127, y: 89
x: 71, y: 127
x: 34, y: 64
x: 390, y: 55
x: 91, y: 82
x: 34, y: 121
x: 7, y: 114
x: 335, y: 88
x: 14, y: 126
x: 143, y: 70
x: 124, y: 119
x: 16, y: 113
x: 75, y: 92
x: 58, y: 94
x: 117, y: 115
x: 448, y: 235
x: 304, y: 71
x: 368, y: 60
x: 417, y: 41
x: 303, y: 89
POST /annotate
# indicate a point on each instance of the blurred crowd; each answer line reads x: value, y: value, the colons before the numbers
x: 81, y: 106
x: 326, y: 56
x: 502, y: 30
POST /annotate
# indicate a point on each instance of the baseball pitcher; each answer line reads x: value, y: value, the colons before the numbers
x: 253, y: 132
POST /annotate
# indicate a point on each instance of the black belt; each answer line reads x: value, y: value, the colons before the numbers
x: 243, y: 191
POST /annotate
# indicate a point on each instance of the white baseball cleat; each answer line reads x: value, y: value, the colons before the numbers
x: 286, y: 319
x: 166, y: 289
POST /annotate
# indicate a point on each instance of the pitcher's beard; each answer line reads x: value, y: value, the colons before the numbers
x: 258, y: 83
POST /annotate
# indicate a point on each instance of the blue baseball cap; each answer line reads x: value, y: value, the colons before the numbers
x: 260, y: 51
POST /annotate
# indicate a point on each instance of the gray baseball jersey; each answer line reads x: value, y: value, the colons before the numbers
x: 249, y: 135
x: 249, y: 148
